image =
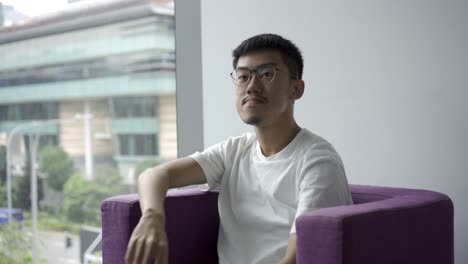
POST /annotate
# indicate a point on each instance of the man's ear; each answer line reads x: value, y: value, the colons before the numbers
x: 297, y: 89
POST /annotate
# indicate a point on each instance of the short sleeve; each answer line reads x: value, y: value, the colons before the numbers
x: 321, y: 185
x: 212, y: 162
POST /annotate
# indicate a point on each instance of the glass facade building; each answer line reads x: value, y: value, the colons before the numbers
x: 114, y: 62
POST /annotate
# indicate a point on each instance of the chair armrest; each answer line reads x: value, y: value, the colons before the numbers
x: 192, y: 224
x: 416, y: 227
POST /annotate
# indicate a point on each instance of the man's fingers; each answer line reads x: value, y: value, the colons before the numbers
x: 148, y: 240
x: 162, y: 259
x: 165, y: 255
x: 139, y: 252
x: 130, y: 252
x: 148, y: 252
x: 161, y: 253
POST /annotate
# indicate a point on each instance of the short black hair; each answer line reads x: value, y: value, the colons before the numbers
x: 292, y: 56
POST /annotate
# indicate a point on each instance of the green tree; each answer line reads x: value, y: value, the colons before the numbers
x: 22, y: 188
x: 57, y: 165
x: 109, y: 178
x: 15, y: 246
x: 3, y: 190
x: 3, y: 195
x: 83, y: 198
x: 3, y: 165
x: 3, y: 178
x: 79, y: 197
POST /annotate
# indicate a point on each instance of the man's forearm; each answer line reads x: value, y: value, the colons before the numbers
x: 153, y: 183
x: 290, y: 257
x: 284, y: 261
x: 288, y: 260
x: 152, y: 187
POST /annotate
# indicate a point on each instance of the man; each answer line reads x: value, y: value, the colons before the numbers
x: 266, y: 179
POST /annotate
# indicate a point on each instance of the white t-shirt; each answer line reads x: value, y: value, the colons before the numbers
x: 260, y: 197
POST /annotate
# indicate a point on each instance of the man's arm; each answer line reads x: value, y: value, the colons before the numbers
x: 149, y: 238
x: 290, y: 257
x: 153, y: 183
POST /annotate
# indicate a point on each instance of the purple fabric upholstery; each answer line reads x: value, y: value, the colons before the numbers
x: 386, y: 225
x: 192, y: 224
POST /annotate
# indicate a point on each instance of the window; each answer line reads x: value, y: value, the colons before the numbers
x: 133, y: 64
x: 44, y: 141
x: 98, y: 80
x: 138, y: 145
x: 126, y: 107
x: 31, y: 111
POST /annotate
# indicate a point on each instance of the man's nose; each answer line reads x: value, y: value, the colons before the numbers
x: 254, y: 85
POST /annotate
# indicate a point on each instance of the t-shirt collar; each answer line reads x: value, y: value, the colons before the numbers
x: 285, y: 152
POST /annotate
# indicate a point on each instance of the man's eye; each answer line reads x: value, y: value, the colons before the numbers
x: 243, y: 77
x: 266, y: 74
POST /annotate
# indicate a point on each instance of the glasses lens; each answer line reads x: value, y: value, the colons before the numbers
x: 266, y: 74
x: 241, y: 77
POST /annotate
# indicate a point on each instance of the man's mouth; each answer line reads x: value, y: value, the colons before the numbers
x: 254, y: 100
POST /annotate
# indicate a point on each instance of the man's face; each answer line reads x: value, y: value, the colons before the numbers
x: 262, y: 104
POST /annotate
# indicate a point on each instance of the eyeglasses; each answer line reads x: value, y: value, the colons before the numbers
x: 266, y: 74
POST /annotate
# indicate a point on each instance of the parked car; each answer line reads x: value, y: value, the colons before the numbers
x: 17, y: 215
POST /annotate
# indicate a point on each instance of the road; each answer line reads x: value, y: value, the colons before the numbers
x: 53, y: 250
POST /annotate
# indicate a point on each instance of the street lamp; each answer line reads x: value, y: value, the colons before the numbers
x: 12, y: 133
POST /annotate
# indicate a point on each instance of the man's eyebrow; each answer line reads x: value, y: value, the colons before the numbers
x: 259, y: 66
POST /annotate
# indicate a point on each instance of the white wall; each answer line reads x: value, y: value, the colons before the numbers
x: 386, y: 83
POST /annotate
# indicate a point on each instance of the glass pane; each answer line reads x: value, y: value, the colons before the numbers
x: 124, y: 145
x: 89, y: 87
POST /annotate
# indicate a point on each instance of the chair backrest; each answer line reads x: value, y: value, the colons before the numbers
x: 360, y: 198
x: 386, y: 225
x: 367, y: 194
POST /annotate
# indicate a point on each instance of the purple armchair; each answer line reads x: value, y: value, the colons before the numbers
x: 384, y: 226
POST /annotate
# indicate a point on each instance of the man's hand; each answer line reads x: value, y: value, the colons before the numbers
x: 148, y: 240
x: 290, y: 257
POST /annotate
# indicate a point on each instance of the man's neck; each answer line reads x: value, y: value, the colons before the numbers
x: 273, y: 139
